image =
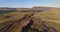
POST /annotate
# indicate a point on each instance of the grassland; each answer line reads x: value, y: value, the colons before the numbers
x: 54, y: 14
x: 13, y: 16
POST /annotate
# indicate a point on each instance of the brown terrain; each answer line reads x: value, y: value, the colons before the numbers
x: 20, y: 19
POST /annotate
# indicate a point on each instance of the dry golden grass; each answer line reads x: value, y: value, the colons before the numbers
x: 54, y: 14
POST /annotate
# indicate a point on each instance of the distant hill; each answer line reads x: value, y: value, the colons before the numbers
x: 36, y: 8
x: 6, y: 10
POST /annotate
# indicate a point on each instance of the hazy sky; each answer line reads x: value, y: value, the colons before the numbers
x: 29, y: 3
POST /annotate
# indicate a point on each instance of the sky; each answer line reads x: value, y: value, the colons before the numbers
x: 29, y: 3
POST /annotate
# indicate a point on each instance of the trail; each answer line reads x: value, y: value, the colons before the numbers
x: 54, y: 21
x: 46, y: 27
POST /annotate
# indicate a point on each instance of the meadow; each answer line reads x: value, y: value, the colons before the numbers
x: 53, y: 14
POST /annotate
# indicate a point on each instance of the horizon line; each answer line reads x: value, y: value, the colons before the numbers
x: 30, y: 7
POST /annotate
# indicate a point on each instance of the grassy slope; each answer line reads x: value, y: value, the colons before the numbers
x: 49, y: 15
x: 15, y: 16
x: 54, y: 14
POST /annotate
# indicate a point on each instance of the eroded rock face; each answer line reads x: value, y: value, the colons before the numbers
x: 28, y: 27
